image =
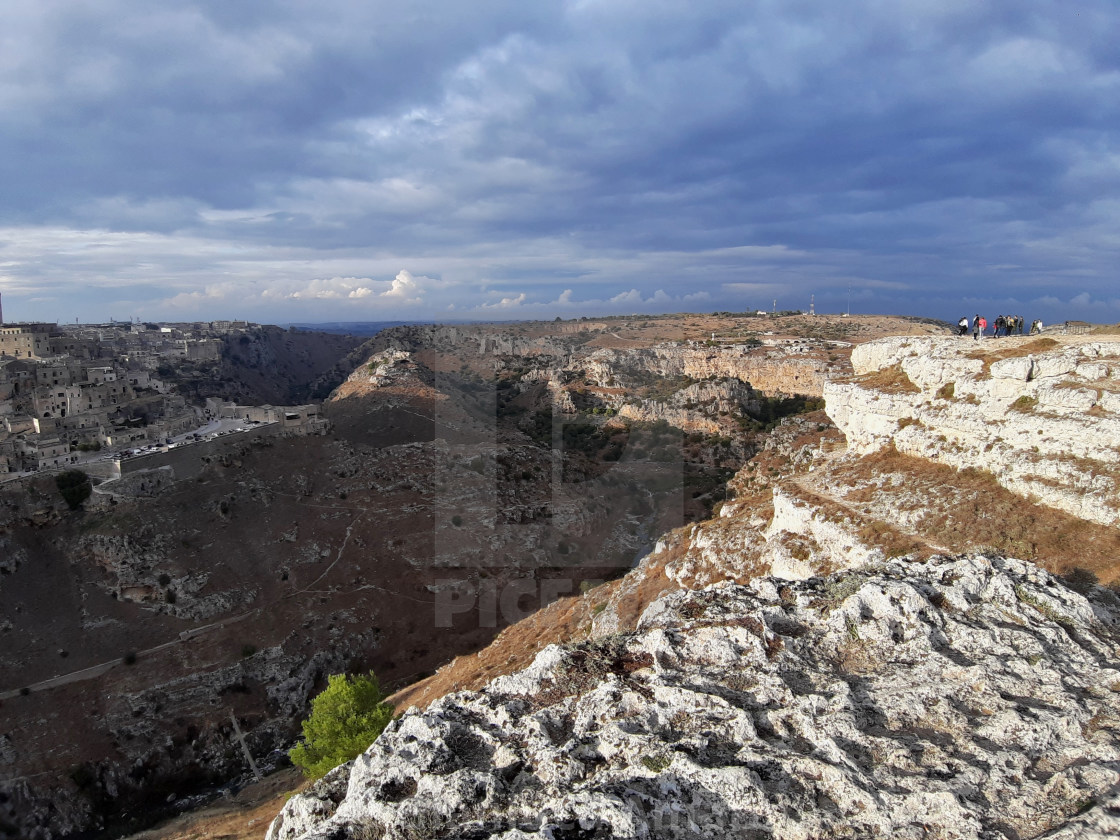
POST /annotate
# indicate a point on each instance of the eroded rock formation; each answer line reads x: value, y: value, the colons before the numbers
x: 828, y: 657
x: 1042, y: 417
x: 961, y: 697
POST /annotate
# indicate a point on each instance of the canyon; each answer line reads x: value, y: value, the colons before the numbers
x: 891, y: 627
x: 469, y: 476
x: 626, y: 568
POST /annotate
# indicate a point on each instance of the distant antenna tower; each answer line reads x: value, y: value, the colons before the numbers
x: 811, y: 299
x: 849, y: 299
x: 775, y: 307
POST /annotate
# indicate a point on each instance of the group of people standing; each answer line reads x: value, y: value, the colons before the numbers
x: 1003, y: 325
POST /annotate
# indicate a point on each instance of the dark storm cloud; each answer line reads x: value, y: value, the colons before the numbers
x: 526, y: 156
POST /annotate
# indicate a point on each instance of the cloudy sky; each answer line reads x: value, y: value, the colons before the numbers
x: 440, y: 159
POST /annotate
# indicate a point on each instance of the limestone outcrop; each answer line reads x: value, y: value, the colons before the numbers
x: 961, y: 697
x: 699, y: 407
x: 1042, y: 417
x: 790, y: 369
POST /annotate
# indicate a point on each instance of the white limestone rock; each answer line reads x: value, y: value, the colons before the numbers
x: 971, y: 697
x: 316, y: 804
x: 1046, y: 424
x: 824, y: 545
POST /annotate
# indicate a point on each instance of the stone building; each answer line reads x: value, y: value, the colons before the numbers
x: 26, y: 341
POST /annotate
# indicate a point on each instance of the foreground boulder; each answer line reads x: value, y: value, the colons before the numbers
x: 970, y: 697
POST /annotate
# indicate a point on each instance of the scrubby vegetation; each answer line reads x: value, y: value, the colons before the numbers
x: 346, y: 717
x: 892, y: 380
x: 772, y: 410
x: 75, y: 487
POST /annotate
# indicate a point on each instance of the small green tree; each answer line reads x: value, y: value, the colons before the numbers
x: 75, y: 487
x: 346, y: 717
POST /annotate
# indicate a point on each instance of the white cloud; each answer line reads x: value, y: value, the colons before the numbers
x: 659, y: 297
x: 404, y: 288
x: 334, y: 288
x: 506, y: 303
x: 574, y: 155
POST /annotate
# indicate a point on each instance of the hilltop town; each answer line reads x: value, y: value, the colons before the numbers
x: 96, y: 395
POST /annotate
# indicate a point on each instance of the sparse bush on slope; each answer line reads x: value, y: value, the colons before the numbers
x: 346, y: 717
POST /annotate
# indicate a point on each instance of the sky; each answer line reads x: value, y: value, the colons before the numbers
x: 361, y: 160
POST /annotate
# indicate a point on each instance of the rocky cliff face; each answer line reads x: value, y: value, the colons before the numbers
x: 796, y: 368
x: 961, y: 697
x: 698, y: 407
x: 1042, y: 417
x: 267, y: 364
x: 831, y: 656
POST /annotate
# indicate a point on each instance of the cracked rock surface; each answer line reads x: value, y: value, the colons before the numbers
x: 967, y: 697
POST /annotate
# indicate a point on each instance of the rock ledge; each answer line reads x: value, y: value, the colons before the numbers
x: 968, y: 697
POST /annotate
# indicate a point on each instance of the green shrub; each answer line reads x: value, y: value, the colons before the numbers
x: 75, y: 487
x: 346, y: 717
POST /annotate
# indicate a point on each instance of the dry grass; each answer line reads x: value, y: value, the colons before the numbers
x: 1011, y: 350
x: 245, y: 816
x: 858, y: 658
x: 566, y: 620
x: 1100, y: 386
x: 872, y: 532
x: 890, y: 380
x: 968, y: 509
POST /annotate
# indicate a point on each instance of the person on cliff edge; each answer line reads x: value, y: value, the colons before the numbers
x: 962, y: 325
